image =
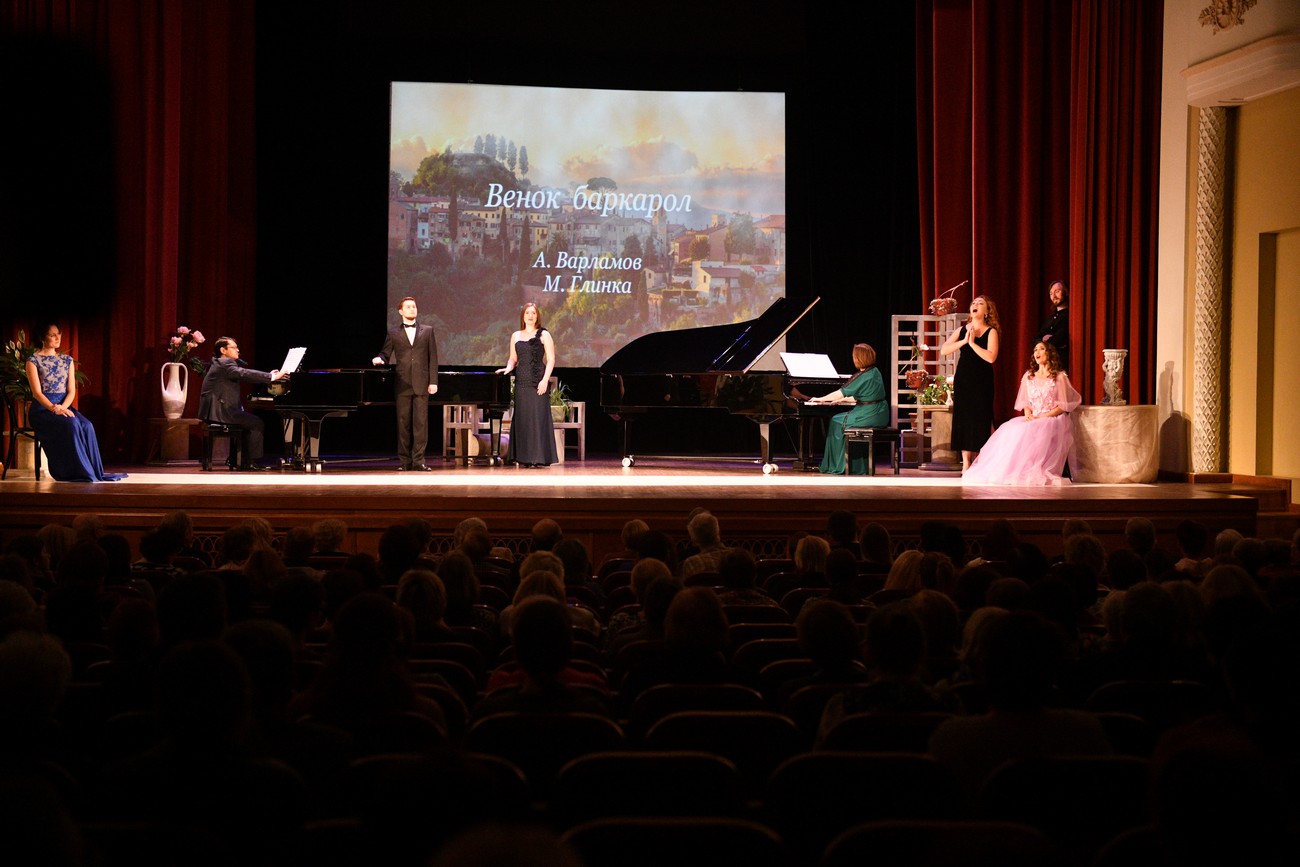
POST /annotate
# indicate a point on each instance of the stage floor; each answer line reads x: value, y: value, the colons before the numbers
x: 593, y: 499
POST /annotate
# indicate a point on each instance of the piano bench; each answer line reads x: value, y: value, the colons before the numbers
x: 870, y: 436
x: 238, y: 437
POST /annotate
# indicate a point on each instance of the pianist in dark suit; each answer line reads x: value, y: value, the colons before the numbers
x: 219, y: 400
x: 871, y: 410
x: 413, y: 352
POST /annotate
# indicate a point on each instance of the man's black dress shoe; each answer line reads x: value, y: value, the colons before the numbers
x: 421, y: 468
x: 253, y: 468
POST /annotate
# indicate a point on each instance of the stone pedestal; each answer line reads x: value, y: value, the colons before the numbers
x: 169, y: 441
x: 1115, y: 444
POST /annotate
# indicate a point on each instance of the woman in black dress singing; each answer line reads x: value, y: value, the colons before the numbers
x: 972, y: 393
x: 532, y: 357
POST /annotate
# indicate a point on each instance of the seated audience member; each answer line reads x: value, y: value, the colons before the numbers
x: 941, y: 624
x: 1124, y: 568
x: 542, y: 574
x: 236, y: 545
x: 1140, y: 534
x: 905, y: 574
x: 297, y: 602
x: 972, y: 586
x: 192, y: 608
x: 695, y: 645
x: 842, y: 532
x: 399, y: 551
x: 546, y: 535
x: 707, y: 538
x: 18, y: 610
x: 1017, y: 665
x: 542, y: 680
x: 655, y: 599
x: 159, y: 548
x: 421, y: 594
x: 1224, y: 542
x: 462, y: 586
x: 655, y: 545
x: 736, y: 573
x: 828, y: 636
x: 810, y: 555
x: 644, y: 572
x: 297, y: 547
x: 893, y: 645
x: 577, y: 569
x: 843, y: 578
x: 77, y: 609
x: 328, y: 535
x: 937, y: 572
x: 877, y: 549
x: 118, y: 578
x: 630, y: 538
x: 180, y: 522
x: 364, y: 678
x: 1086, y: 551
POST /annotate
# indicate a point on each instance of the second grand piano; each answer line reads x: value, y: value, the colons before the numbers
x: 311, y: 396
x: 707, y: 367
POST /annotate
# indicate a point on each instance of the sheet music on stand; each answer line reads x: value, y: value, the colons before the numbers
x: 809, y: 365
x: 293, y: 358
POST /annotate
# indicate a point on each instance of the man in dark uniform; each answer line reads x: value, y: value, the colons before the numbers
x: 219, y: 400
x: 413, y: 352
x: 1056, y: 328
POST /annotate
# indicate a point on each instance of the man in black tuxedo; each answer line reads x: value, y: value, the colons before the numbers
x: 413, y: 352
x: 219, y: 400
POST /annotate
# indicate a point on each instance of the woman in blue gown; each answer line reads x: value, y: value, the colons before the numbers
x: 871, y: 410
x: 67, y: 436
x: 532, y: 357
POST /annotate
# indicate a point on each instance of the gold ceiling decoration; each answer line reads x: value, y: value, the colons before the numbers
x: 1225, y: 14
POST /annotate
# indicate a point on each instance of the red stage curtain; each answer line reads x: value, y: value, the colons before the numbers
x: 1019, y: 102
x: 181, y: 204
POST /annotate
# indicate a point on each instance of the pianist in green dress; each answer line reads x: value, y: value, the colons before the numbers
x: 871, y: 410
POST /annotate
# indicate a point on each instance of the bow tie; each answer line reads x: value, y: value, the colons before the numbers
x: 411, y: 325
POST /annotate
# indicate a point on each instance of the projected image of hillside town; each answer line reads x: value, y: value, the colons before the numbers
x: 619, y: 213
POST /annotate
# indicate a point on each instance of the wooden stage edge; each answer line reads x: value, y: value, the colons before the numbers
x: 592, y: 501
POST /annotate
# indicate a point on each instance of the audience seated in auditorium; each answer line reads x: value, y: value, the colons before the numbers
x: 543, y: 682
x: 706, y: 537
x: 842, y: 532
x: 737, y: 572
x: 1018, y: 660
x: 893, y: 646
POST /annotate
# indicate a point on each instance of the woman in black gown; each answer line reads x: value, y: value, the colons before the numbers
x: 532, y: 357
x: 972, y: 395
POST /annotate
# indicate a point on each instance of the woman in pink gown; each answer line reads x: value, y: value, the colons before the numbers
x: 1031, y: 449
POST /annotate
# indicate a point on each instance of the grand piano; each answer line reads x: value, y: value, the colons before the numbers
x: 710, y: 367
x: 311, y: 396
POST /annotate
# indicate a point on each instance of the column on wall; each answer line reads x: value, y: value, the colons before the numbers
x: 1208, y: 431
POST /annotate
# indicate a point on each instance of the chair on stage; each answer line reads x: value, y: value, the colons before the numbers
x: 17, y: 431
x: 870, y: 436
x: 237, y: 437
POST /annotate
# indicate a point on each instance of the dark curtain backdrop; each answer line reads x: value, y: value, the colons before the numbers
x: 135, y: 211
x: 1038, y: 146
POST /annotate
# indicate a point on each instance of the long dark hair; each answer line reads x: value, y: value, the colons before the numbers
x: 1053, y: 359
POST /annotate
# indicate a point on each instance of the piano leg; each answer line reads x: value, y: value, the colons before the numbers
x: 494, y: 426
x: 765, y: 444
x: 629, y: 460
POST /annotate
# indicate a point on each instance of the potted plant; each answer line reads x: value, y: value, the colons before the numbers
x: 914, y: 370
x: 560, y: 402
x: 937, y: 393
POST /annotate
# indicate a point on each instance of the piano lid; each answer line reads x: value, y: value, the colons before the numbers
x: 731, y: 348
